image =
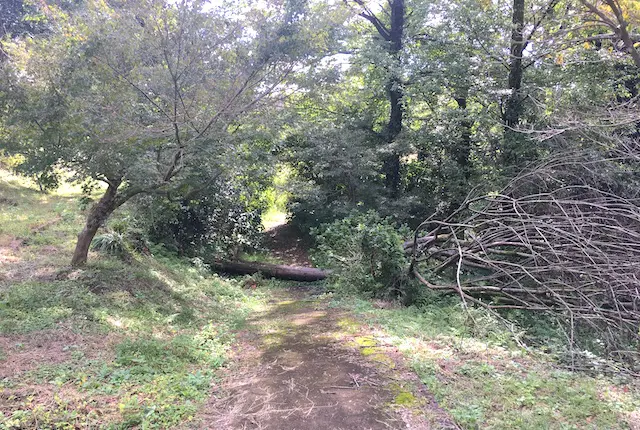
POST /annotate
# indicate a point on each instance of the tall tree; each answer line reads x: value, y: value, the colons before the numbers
x: 512, y: 153
x: 616, y: 15
x: 392, y: 34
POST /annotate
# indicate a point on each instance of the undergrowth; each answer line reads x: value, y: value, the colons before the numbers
x: 140, y: 341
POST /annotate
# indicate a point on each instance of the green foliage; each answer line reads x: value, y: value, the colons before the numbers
x: 365, y: 250
x: 111, y: 243
x: 179, y: 119
x: 214, y: 225
x: 176, y: 322
x: 122, y: 239
x: 151, y: 356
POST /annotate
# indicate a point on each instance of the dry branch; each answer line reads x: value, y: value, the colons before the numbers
x: 562, y: 238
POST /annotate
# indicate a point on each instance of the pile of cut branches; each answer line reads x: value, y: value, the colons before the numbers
x: 562, y: 238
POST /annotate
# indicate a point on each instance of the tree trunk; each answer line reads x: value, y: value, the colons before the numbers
x: 622, y: 29
x: 392, y: 35
x: 513, y: 107
x: 292, y: 273
x: 395, y: 94
x: 98, y: 214
x: 460, y: 152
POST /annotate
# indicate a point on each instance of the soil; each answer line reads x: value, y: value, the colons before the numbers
x: 301, y: 365
x: 287, y: 243
x: 23, y: 353
x: 298, y: 368
x: 17, y: 265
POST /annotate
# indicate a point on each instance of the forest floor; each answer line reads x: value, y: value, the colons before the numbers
x: 302, y: 363
x: 161, y: 342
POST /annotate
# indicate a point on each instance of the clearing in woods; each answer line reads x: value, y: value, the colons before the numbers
x: 161, y: 342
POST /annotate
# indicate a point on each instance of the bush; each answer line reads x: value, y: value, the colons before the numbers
x: 365, y: 251
x: 222, y: 224
x: 122, y: 239
x: 111, y: 243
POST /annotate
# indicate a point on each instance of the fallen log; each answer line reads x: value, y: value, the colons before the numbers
x: 278, y: 271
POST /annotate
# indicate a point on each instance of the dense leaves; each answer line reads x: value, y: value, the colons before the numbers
x: 146, y: 96
x: 367, y: 250
x: 379, y: 112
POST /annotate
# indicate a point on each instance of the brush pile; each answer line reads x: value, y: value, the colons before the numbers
x: 562, y: 238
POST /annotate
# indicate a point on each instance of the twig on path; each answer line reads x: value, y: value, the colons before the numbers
x: 355, y: 379
x: 387, y: 424
x: 342, y: 387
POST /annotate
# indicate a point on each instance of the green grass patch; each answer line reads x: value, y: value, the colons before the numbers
x: 484, y: 380
x: 171, y: 324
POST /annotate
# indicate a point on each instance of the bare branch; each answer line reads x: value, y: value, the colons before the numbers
x: 562, y: 238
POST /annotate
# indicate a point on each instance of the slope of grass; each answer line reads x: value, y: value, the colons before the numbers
x: 112, y: 345
x: 485, y: 381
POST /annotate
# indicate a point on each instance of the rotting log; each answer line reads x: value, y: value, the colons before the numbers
x: 278, y: 271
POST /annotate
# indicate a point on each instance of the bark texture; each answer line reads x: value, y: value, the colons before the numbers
x: 395, y: 92
x: 292, y: 273
x: 392, y: 34
x: 513, y: 107
x: 98, y: 214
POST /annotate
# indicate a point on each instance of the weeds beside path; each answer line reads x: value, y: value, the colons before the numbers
x: 160, y: 342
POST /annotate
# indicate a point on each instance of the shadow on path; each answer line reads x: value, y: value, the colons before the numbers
x: 298, y: 373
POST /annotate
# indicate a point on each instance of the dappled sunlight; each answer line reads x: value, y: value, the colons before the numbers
x: 150, y: 333
x: 299, y: 360
x: 8, y: 255
x: 470, y: 374
x: 273, y: 218
x: 65, y: 189
x: 116, y: 322
x: 162, y: 277
x: 308, y: 318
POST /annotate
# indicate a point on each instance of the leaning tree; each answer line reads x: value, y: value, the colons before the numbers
x: 140, y: 95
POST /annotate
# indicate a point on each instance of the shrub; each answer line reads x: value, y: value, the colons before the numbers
x: 365, y: 251
x: 222, y: 224
x: 122, y: 238
x: 111, y: 243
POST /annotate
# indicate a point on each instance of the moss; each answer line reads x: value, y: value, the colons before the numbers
x: 369, y: 348
x: 383, y: 359
x: 367, y: 351
x: 286, y: 303
x: 349, y: 325
x: 365, y: 341
x: 273, y: 339
x: 404, y: 398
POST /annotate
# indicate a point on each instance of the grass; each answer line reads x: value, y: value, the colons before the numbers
x: 113, y: 345
x: 143, y: 344
x: 45, y: 223
x: 485, y: 381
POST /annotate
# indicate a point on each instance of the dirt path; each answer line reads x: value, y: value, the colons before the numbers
x: 304, y: 365
x: 288, y: 244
